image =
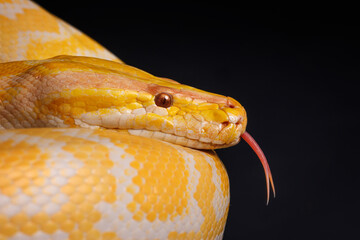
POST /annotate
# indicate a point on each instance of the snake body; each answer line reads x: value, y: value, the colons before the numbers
x: 92, y: 148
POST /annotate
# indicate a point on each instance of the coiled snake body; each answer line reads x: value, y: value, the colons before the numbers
x: 96, y: 149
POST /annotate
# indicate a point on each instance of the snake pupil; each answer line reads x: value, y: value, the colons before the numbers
x: 163, y: 100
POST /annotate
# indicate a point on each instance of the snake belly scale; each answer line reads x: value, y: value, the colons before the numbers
x: 92, y: 148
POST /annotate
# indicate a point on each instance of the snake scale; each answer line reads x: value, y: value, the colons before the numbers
x: 92, y: 148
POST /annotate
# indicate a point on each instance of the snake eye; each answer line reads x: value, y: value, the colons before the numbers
x: 164, y: 100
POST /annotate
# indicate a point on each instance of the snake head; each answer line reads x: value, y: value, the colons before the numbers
x: 95, y: 93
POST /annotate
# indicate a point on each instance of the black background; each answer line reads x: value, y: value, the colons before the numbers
x: 294, y: 68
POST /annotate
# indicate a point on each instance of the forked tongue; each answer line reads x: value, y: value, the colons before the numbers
x: 269, y: 180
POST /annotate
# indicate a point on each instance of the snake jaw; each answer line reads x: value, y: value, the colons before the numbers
x: 269, y: 180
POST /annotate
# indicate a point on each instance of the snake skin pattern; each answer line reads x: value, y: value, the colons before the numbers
x: 93, y: 184
x: 86, y: 152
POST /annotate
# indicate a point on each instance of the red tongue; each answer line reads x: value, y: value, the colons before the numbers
x: 252, y: 143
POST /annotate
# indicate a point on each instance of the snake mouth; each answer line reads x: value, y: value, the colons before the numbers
x: 201, y: 143
x: 224, y: 135
x: 193, y: 134
x: 191, y: 130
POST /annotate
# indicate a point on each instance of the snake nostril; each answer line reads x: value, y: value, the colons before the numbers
x: 231, y: 102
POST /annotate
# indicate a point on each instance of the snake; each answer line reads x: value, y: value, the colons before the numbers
x: 93, y: 148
